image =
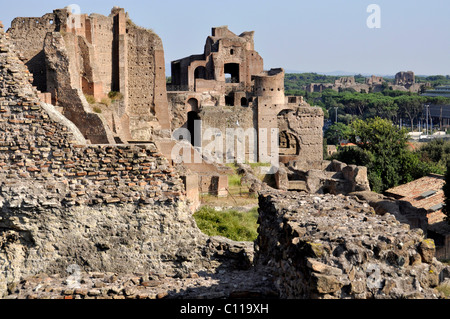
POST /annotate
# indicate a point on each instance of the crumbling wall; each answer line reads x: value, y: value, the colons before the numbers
x: 101, y: 208
x: 147, y: 97
x: 62, y: 84
x: 334, y: 247
x: 241, y: 142
x: 28, y: 35
x: 104, y: 54
x: 306, y: 123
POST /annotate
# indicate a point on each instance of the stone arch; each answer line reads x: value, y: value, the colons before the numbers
x: 232, y: 74
x: 288, y: 144
x: 193, y: 105
x: 200, y: 73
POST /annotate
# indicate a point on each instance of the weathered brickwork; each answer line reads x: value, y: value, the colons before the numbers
x: 33, y: 146
x: 103, y: 208
x: 335, y: 247
x: 97, y: 55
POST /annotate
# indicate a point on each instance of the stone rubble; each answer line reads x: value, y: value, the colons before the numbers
x: 229, y: 284
x: 337, y: 247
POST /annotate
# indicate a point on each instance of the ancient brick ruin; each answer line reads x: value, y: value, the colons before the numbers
x: 336, y: 247
x: 73, y: 57
x: 227, y: 87
x: 101, y: 191
x: 404, y: 81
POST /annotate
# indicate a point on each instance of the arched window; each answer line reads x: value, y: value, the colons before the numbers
x: 232, y: 72
x: 288, y: 144
x: 193, y: 103
x: 200, y: 73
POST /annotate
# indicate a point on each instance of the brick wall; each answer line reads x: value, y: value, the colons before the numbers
x: 34, y: 147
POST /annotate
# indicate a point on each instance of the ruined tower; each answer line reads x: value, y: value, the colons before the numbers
x: 79, y: 59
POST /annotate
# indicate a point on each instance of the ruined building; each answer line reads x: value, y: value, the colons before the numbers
x: 74, y: 56
x: 95, y: 196
x: 404, y: 81
x: 107, y: 76
x: 226, y: 87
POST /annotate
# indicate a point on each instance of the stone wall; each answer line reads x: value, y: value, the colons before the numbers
x: 103, y: 208
x: 335, y: 247
x: 147, y: 95
x: 98, y: 54
x: 306, y: 123
x: 34, y: 31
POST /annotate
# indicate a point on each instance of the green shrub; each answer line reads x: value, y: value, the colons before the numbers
x: 90, y: 99
x: 113, y: 95
x: 106, y: 101
x: 97, y: 110
x: 238, y: 226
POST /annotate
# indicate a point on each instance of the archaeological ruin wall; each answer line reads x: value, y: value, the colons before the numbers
x: 100, y: 207
x: 336, y: 247
x: 98, y: 55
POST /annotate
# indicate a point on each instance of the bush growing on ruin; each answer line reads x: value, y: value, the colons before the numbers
x: 115, y: 96
x: 90, y: 99
x: 97, y: 110
x: 106, y: 101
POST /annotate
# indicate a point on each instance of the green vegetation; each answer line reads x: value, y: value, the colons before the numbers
x: 434, y: 80
x: 445, y: 289
x: 106, y: 101
x: 90, y: 99
x: 97, y: 110
x: 115, y: 96
x: 436, y: 152
x: 238, y: 226
x: 349, y: 104
x: 234, y: 180
x: 382, y: 148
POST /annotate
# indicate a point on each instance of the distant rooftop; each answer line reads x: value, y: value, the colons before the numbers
x: 426, y: 193
x: 443, y: 90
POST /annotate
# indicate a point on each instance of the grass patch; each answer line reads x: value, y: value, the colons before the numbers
x: 115, y: 96
x: 90, y: 99
x: 445, y: 290
x: 234, y: 180
x: 97, y: 110
x: 238, y: 226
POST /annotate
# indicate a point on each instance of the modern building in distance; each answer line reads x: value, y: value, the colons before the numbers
x: 443, y: 90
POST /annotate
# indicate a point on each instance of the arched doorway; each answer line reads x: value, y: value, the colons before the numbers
x: 232, y: 73
x: 200, y: 73
x: 244, y: 102
x: 288, y: 144
x: 194, y: 127
x: 193, y: 104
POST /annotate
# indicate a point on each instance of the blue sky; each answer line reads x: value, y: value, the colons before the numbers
x: 302, y: 35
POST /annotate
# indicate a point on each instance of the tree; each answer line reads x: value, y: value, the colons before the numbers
x: 410, y: 106
x: 336, y: 133
x: 390, y: 162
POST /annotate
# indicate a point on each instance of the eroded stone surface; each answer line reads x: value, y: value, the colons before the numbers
x: 337, y: 247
